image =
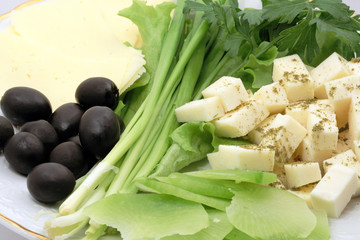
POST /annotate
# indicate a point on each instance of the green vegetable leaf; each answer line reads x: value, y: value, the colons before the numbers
x: 284, y: 10
x: 336, y: 8
x: 155, y: 186
x: 236, y: 175
x: 236, y: 234
x: 252, y: 15
x: 258, y: 71
x: 269, y: 213
x: 148, y: 216
x: 219, y: 227
x: 346, y: 35
x: 321, y: 231
x: 207, y: 187
x: 192, y: 141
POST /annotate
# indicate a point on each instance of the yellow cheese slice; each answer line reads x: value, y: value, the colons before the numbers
x: 123, y: 28
x: 72, y: 27
x: 26, y: 63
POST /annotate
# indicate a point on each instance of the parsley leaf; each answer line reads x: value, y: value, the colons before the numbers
x: 284, y: 10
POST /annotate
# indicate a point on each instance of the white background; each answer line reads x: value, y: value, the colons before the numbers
x: 9, y: 232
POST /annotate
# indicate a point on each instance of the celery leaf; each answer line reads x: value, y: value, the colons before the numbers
x: 268, y: 213
x: 219, y: 227
x: 148, y: 216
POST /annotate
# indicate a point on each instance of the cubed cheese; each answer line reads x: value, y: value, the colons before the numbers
x: 335, y: 190
x: 346, y: 158
x: 299, y: 110
x: 291, y: 73
x: 354, y: 118
x: 309, y: 154
x: 284, y: 135
x: 344, y: 142
x: 300, y: 174
x: 321, y: 126
x: 242, y: 120
x: 331, y: 68
x: 304, y: 192
x: 247, y: 157
x: 231, y: 92
x: 354, y: 66
x: 274, y: 97
x: 339, y: 92
x: 356, y: 148
x: 256, y: 135
x: 205, y: 109
x: 217, y: 161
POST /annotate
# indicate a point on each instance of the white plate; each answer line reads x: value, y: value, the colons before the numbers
x: 17, y: 204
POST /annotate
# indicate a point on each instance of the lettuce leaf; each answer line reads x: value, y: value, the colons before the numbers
x: 268, y: 213
x: 148, y: 216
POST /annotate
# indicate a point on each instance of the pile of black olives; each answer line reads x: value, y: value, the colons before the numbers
x: 53, y: 149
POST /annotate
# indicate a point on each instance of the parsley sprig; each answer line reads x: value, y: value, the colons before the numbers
x: 313, y: 29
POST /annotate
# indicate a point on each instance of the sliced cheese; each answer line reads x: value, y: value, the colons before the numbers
x: 25, y: 63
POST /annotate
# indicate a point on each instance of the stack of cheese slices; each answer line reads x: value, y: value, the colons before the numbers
x: 54, y: 45
x: 305, y: 127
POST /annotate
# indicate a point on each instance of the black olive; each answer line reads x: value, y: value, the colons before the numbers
x: 66, y: 119
x: 24, y: 151
x: 50, y: 182
x: 97, y: 91
x: 99, y: 131
x: 69, y: 154
x: 44, y: 131
x: 23, y: 104
x: 90, y: 159
x: 6, y: 131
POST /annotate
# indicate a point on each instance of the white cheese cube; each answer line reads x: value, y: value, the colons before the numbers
x: 242, y: 120
x: 354, y: 66
x: 300, y: 174
x: 274, y: 97
x: 231, y: 92
x: 309, y: 154
x: 339, y: 92
x: 299, y: 111
x: 217, y: 161
x: 347, y: 159
x: 256, y: 135
x: 247, y: 157
x: 356, y: 148
x: 321, y: 126
x: 331, y: 68
x: 344, y: 142
x: 335, y: 190
x: 304, y: 192
x: 205, y: 109
x: 284, y: 136
x: 354, y: 118
x: 291, y: 73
